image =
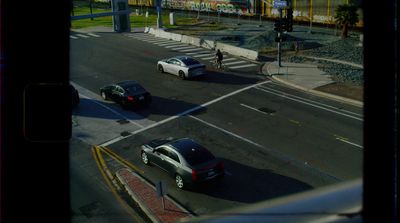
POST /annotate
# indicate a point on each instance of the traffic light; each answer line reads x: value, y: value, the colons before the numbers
x: 289, y: 20
x: 284, y: 24
x: 277, y: 25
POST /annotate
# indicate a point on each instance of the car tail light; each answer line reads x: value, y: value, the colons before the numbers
x: 194, y: 175
x: 130, y: 98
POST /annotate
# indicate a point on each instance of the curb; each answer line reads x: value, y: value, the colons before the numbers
x: 152, y: 216
x: 315, y: 92
x: 144, y: 208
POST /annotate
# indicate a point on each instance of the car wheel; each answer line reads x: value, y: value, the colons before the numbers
x: 179, y: 181
x: 103, y: 95
x: 182, y: 75
x: 145, y: 158
x: 160, y: 68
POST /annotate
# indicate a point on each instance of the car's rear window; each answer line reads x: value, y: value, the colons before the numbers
x: 197, y: 155
x: 134, y: 88
x: 190, y: 61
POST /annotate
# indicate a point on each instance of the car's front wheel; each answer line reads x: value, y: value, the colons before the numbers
x: 160, y: 68
x: 179, y: 181
x: 145, y: 158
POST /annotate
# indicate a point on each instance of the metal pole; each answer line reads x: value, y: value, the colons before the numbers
x: 90, y: 6
x: 311, y: 17
x: 279, y: 38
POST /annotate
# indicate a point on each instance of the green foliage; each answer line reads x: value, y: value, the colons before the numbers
x: 346, y: 16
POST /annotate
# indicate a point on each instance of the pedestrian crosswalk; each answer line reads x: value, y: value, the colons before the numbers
x: 199, y: 53
x: 76, y: 36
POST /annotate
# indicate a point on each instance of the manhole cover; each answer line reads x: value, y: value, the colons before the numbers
x: 267, y: 110
x: 123, y: 121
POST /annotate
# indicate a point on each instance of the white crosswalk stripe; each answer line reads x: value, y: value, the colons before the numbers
x: 190, y: 50
x: 92, y: 34
x: 236, y: 62
x: 199, y: 54
x: 81, y: 35
x: 243, y: 66
x: 175, y: 45
x: 181, y: 48
x: 194, y: 51
x: 73, y: 37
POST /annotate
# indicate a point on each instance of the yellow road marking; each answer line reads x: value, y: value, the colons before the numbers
x: 99, y: 159
x: 120, y: 159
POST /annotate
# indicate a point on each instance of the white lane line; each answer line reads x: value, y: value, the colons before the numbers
x: 185, y: 47
x: 175, y: 45
x: 236, y: 62
x: 313, y: 105
x: 73, y: 37
x: 254, y: 109
x: 81, y: 35
x: 112, y: 110
x: 92, y: 34
x: 243, y: 66
x: 227, y: 132
x: 305, y: 99
x: 348, y: 142
x: 184, y: 113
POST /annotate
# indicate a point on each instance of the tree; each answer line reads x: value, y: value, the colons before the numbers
x: 346, y: 16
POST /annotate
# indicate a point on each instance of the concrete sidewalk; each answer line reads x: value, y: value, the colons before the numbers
x: 305, y: 77
x: 145, y: 195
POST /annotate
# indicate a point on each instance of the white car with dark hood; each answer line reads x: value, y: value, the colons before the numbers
x: 182, y: 66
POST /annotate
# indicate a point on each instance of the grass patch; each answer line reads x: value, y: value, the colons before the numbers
x: 136, y: 20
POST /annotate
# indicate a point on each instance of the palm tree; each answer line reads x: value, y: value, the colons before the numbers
x: 346, y: 16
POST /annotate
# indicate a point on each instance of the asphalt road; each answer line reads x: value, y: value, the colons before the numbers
x: 274, y: 140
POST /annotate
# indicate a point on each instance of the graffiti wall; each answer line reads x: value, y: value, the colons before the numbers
x: 223, y: 6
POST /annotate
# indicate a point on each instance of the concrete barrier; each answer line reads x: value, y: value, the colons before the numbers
x: 237, y: 51
x: 209, y: 44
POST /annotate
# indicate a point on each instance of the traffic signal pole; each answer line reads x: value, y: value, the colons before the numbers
x: 279, y: 38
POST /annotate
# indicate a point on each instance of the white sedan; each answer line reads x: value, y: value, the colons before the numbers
x: 182, y: 66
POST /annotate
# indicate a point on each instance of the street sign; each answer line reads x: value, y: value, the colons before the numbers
x: 280, y: 4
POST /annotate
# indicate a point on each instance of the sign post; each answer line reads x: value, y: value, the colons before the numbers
x: 161, y: 189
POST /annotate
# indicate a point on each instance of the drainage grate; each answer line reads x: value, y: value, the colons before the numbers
x: 267, y: 110
x: 123, y: 121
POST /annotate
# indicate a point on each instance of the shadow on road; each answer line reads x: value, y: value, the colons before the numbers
x: 113, y: 111
x: 220, y: 77
x: 247, y: 184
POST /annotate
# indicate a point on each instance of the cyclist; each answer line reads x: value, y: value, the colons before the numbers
x: 219, y: 57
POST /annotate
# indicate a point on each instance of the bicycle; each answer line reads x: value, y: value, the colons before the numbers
x: 219, y: 66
